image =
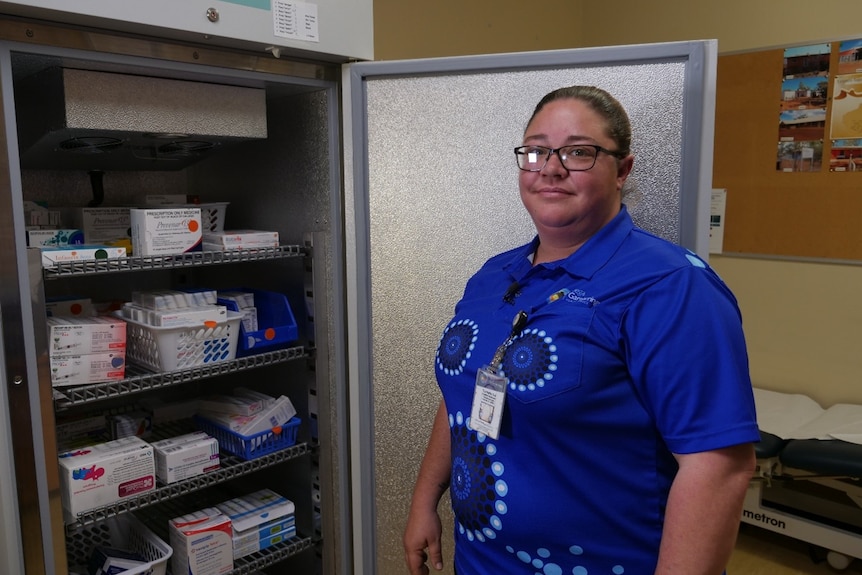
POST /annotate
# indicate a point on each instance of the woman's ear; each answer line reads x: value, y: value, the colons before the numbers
x: 624, y: 169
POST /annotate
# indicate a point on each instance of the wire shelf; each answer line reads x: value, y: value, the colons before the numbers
x: 148, y: 263
x: 139, y: 379
x: 231, y: 467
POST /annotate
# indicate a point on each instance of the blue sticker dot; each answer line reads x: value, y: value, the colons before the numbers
x: 542, y: 552
x: 523, y: 556
x: 576, y: 550
x: 509, y: 549
x: 497, y: 468
x: 618, y: 570
x: 579, y: 570
x: 501, y: 507
x: 491, y: 449
x: 552, y: 569
x: 537, y: 563
x: 489, y: 533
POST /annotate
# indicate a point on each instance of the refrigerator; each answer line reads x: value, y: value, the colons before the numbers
x: 389, y: 183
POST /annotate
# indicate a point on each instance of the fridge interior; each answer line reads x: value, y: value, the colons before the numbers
x: 286, y: 180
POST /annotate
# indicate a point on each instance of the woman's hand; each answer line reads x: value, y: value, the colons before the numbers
x: 423, y: 533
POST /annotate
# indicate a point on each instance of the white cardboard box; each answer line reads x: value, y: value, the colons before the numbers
x: 69, y: 336
x: 51, y: 256
x: 165, y: 231
x: 185, y: 456
x: 105, y: 473
x: 102, y: 224
x: 39, y: 238
x: 202, y: 543
x: 256, y: 517
x: 88, y: 368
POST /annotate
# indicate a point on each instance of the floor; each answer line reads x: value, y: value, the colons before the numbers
x: 762, y: 552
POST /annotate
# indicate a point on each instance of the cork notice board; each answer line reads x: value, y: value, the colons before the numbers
x: 801, y: 214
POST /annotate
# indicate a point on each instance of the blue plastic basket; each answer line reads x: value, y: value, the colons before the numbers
x: 277, y: 325
x: 255, y: 445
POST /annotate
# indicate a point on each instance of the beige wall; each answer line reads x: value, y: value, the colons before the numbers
x: 803, y: 321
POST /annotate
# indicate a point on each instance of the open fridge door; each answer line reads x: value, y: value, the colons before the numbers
x: 431, y: 193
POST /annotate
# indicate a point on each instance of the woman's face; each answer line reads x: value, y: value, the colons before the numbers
x: 567, y: 204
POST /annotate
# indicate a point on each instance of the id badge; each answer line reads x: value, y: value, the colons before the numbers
x: 489, y: 396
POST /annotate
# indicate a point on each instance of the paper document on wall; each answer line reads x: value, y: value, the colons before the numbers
x: 718, y: 199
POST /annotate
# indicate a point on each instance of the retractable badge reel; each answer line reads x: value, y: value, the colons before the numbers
x: 489, y: 395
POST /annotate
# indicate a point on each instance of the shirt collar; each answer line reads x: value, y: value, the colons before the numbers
x: 588, y: 259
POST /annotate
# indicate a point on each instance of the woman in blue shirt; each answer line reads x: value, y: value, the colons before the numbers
x: 597, y: 412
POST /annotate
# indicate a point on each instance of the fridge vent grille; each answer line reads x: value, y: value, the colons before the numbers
x: 90, y: 145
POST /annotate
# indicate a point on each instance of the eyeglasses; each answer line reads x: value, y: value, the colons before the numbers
x: 578, y: 158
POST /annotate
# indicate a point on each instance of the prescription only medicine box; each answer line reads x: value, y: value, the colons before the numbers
x: 179, y: 458
x: 105, y: 474
x: 84, y: 335
x: 165, y: 231
x: 201, y: 543
x: 257, y: 518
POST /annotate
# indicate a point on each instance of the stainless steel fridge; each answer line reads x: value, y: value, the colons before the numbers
x: 388, y: 182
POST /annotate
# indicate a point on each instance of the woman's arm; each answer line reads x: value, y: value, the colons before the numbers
x: 423, y: 528
x: 704, y: 510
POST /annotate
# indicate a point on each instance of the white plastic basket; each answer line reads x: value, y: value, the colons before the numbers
x: 170, y: 348
x: 122, y: 532
x: 212, y: 216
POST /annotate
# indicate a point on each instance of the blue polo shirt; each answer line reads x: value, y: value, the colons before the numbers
x: 633, y: 350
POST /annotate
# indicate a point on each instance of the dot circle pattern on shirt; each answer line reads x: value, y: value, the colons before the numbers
x: 477, y: 484
x: 543, y: 563
x: 456, y: 346
x: 530, y: 361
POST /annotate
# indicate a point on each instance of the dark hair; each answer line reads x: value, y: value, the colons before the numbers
x: 619, y: 128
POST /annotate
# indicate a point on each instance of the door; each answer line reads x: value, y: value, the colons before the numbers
x: 433, y: 193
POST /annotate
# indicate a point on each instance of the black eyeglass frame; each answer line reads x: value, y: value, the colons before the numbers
x: 519, y: 151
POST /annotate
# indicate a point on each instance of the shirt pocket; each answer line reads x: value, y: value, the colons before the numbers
x: 547, y: 358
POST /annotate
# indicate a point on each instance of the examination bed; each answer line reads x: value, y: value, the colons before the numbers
x: 809, y: 465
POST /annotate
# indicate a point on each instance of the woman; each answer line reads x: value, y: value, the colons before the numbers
x: 623, y: 441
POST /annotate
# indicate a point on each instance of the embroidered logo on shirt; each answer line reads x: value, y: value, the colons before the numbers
x: 580, y: 296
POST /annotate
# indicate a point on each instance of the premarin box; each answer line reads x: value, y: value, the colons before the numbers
x: 165, y: 231
x: 105, y: 473
x: 103, y: 225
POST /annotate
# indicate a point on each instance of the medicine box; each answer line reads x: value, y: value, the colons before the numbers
x: 231, y: 404
x: 256, y: 518
x: 190, y: 316
x: 39, y: 238
x: 85, y: 335
x: 87, y: 368
x: 69, y: 306
x: 275, y: 415
x: 202, y: 543
x: 136, y: 422
x: 102, y: 224
x: 165, y: 231
x: 104, y: 474
x: 185, y: 456
x: 52, y: 256
x: 241, y: 239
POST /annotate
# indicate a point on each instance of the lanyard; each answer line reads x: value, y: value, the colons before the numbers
x: 520, y: 321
